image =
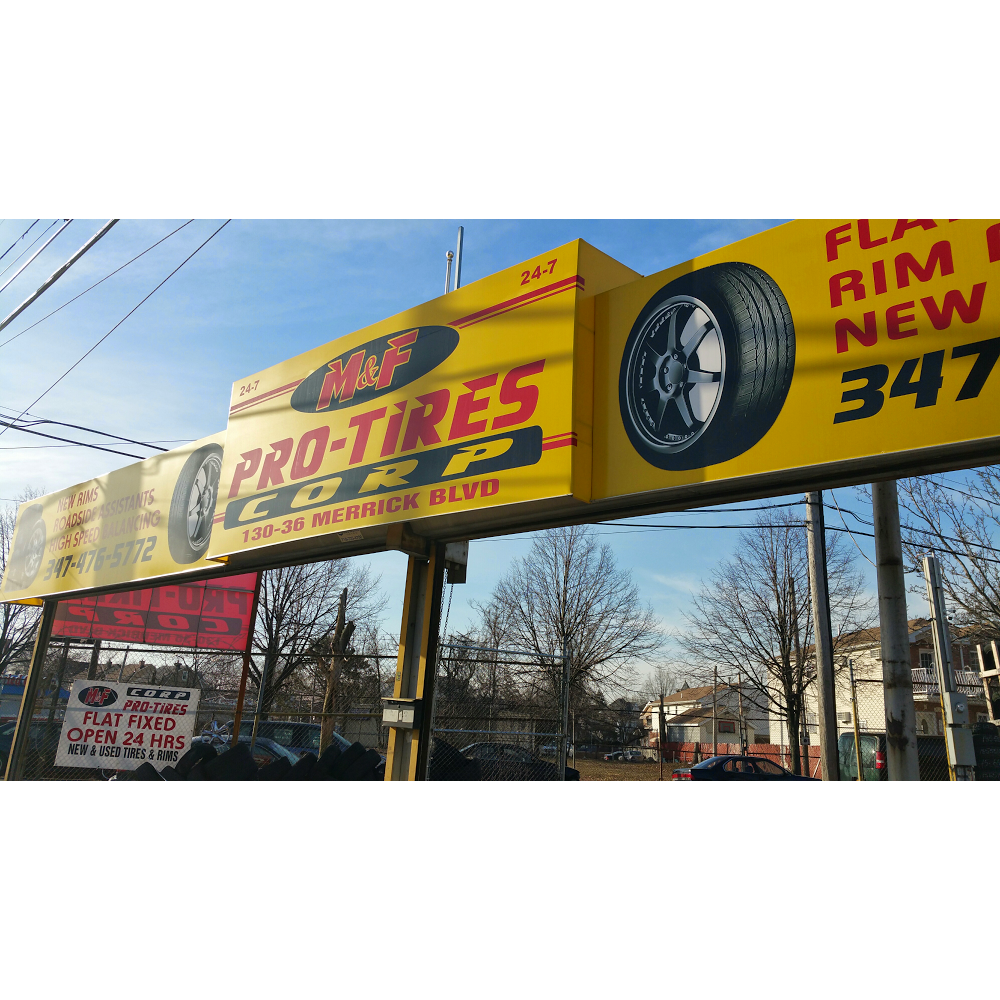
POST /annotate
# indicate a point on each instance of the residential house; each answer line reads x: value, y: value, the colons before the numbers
x: 688, y: 716
x: 863, y: 652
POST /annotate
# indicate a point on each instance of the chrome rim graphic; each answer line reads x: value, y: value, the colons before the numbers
x: 35, y: 551
x: 676, y: 374
x: 201, y: 501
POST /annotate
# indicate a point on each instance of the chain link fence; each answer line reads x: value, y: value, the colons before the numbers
x: 288, y: 733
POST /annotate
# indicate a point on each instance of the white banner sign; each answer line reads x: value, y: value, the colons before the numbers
x: 120, y: 726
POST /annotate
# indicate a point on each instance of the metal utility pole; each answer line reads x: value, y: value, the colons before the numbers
x: 564, y: 712
x: 56, y: 274
x: 897, y: 677
x: 857, y: 730
x: 744, y: 736
x: 95, y: 655
x: 954, y: 707
x: 447, y: 272
x: 662, y: 732
x: 715, y: 712
x: 826, y: 699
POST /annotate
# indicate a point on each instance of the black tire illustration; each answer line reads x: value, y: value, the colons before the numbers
x: 28, y: 550
x: 706, y: 367
x: 192, y: 505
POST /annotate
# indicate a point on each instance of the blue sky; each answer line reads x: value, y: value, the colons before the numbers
x: 262, y: 291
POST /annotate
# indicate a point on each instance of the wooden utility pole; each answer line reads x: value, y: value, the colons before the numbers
x: 715, y: 712
x: 338, y: 643
x: 663, y: 731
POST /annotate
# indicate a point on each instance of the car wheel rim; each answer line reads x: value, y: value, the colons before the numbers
x: 36, y: 551
x: 201, y: 502
x: 676, y: 374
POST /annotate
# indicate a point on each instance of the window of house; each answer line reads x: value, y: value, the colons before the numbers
x: 727, y: 727
x: 926, y: 661
x: 923, y: 726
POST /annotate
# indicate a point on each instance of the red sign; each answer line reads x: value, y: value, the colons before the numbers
x: 210, y: 614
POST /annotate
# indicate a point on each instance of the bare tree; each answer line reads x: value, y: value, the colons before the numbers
x: 660, y: 685
x: 18, y: 622
x: 754, y: 614
x: 961, y: 526
x: 569, y: 589
x: 297, y: 613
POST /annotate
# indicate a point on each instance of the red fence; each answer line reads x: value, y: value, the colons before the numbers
x: 690, y: 753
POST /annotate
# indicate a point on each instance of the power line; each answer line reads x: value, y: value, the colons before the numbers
x: 119, y: 323
x: 5, y: 424
x: 91, y: 430
x: 18, y: 240
x: 54, y: 222
x: 95, y: 284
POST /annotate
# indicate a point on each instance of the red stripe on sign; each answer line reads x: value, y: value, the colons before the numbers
x: 219, y: 518
x: 560, y: 443
x: 264, y: 396
x: 553, y: 437
x: 576, y: 281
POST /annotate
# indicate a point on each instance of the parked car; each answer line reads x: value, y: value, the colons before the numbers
x: 507, y: 762
x: 633, y: 755
x: 932, y: 757
x: 732, y: 767
x: 299, y: 737
x: 615, y: 755
x: 40, y: 752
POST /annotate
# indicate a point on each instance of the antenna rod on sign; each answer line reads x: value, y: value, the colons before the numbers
x: 447, y: 273
x: 458, y: 258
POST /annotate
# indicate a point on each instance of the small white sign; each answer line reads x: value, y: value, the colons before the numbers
x: 120, y: 726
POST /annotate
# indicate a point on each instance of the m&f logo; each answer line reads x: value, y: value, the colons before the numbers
x: 373, y: 369
x: 98, y: 695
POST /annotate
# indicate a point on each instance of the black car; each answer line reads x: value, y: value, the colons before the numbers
x: 732, y: 767
x: 299, y: 737
x: 507, y: 762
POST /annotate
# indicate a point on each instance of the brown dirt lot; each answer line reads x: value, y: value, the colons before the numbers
x: 617, y: 770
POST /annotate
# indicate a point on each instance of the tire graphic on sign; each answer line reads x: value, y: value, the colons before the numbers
x: 28, y: 550
x: 706, y: 367
x: 192, y: 505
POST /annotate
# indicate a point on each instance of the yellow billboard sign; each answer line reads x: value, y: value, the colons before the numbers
x: 858, y: 345
x: 148, y: 520
x: 476, y: 401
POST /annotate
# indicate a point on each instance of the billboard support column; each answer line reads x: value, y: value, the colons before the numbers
x: 15, y: 762
x: 95, y: 657
x: 238, y: 716
x: 897, y: 679
x: 826, y: 708
x: 409, y: 747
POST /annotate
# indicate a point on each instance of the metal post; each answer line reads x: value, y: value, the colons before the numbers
x: 715, y: 714
x: 662, y: 732
x: 564, y: 711
x: 857, y: 732
x: 408, y: 750
x: 238, y: 717
x: 744, y: 736
x: 447, y: 272
x: 15, y: 761
x: 958, y: 739
x: 897, y: 676
x: 60, y: 673
x: 265, y: 676
x: 458, y: 258
x: 95, y: 656
x: 826, y: 700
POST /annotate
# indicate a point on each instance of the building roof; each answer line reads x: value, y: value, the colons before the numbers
x: 696, y: 716
x: 915, y: 627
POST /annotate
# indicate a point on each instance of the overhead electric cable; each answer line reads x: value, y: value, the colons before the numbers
x: 118, y: 324
x: 56, y: 274
x: 833, y: 496
x: 91, y: 430
x: 54, y: 437
x: 96, y: 283
x: 35, y: 254
x: 54, y: 222
x: 18, y: 240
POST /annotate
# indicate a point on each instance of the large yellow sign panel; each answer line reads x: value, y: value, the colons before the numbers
x: 151, y: 519
x: 815, y: 343
x: 477, y: 400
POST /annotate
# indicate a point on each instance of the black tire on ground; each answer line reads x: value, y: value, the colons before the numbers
x: 363, y: 768
x: 324, y: 766
x: 192, y: 505
x: 236, y: 764
x: 145, y: 772
x: 302, y: 769
x: 28, y: 551
x: 277, y: 770
x: 344, y: 761
x: 706, y: 367
x: 196, y: 752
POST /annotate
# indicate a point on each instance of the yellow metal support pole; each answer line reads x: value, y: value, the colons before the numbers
x: 406, y: 759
